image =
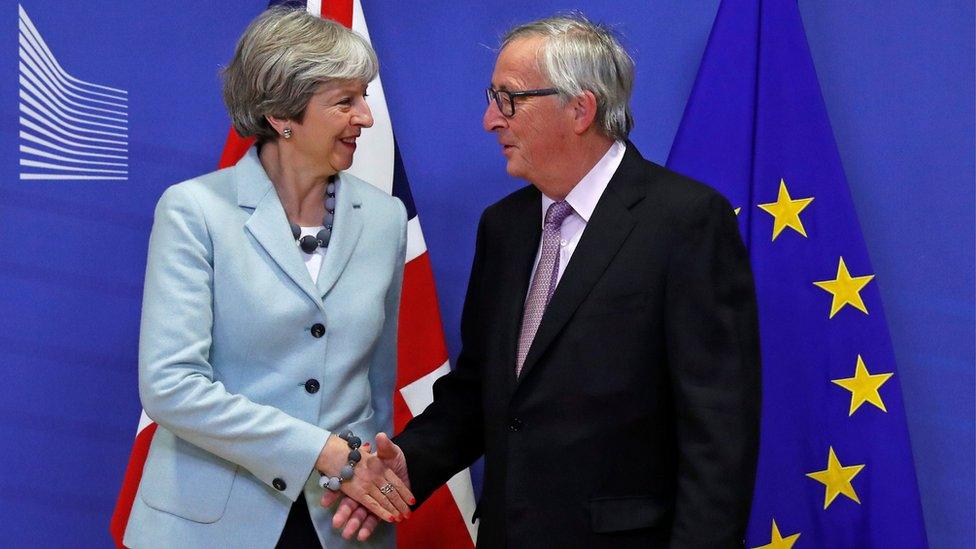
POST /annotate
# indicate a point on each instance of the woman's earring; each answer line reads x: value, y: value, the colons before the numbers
x: 287, y: 133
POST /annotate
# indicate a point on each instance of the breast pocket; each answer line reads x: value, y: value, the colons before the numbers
x: 185, y: 480
x: 629, y: 302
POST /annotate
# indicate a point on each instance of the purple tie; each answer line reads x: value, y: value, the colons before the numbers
x: 544, y: 281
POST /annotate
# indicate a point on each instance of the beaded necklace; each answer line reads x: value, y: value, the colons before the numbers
x: 309, y: 243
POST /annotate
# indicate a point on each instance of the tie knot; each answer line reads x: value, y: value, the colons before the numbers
x: 557, y: 212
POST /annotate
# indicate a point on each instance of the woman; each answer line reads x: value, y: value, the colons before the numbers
x: 268, y: 337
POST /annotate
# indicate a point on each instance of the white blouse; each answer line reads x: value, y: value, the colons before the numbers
x: 313, y: 261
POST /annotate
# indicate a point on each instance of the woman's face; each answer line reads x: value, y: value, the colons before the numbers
x: 334, y: 118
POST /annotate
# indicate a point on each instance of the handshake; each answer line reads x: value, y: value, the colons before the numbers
x: 377, y: 487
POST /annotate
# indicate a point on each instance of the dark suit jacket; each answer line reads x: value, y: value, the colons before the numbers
x: 635, y: 422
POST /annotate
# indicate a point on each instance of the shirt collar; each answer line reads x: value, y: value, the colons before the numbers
x: 585, y: 195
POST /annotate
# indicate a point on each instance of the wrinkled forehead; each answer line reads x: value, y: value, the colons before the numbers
x: 341, y: 86
x: 517, y: 66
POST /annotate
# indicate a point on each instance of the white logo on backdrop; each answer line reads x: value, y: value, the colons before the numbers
x: 69, y: 128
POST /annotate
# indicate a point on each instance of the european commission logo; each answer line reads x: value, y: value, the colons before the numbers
x: 70, y: 129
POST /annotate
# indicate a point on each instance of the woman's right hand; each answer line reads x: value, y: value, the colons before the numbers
x: 373, y: 484
x: 353, y: 519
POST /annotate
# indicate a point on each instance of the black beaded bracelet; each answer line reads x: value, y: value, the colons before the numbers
x: 354, y: 442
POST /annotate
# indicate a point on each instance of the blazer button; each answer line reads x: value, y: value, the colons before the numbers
x: 515, y: 425
x: 318, y: 330
x: 312, y: 386
x: 279, y: 484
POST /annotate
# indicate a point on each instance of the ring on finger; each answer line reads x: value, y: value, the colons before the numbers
x: 386, y: 488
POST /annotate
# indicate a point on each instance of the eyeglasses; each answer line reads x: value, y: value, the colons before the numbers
x: 506, y: 99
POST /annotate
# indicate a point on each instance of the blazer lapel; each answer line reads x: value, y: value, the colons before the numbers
x: 520, y: 249
x: 268, y: 223
x: 606, y: 231
x: 345, y: 234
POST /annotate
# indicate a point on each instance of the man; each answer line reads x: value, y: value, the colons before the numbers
x: 610, y: 365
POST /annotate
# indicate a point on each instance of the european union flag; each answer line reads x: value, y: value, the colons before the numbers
x: 835, y: 465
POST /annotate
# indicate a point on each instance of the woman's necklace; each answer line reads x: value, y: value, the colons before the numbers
x: 309, y: 243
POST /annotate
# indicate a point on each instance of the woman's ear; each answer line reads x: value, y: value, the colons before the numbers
x: 279, y: 124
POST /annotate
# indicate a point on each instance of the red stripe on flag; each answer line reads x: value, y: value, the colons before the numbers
x: 401, y: 412
x: 234, y: 149
x: 130, y: 484
x: 421, y: 344
x: 437, y: 524
x: 339, y: 11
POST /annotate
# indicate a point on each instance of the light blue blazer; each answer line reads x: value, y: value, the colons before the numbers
x: 226, y: 347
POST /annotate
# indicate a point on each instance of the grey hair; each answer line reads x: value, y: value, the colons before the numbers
x: 281, y: 59
x: 578, y: 55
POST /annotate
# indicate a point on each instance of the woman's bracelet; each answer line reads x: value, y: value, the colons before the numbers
x: 354, y: 442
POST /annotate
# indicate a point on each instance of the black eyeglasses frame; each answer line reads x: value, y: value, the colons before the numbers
x: 493, y: 95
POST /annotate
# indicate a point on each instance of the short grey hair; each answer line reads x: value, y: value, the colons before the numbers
x: 281, y: 59
x: 578, y: 55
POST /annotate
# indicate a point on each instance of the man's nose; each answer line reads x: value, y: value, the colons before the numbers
x: 493, y: 118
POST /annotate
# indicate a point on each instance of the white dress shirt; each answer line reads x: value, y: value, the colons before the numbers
x: 583, y: 199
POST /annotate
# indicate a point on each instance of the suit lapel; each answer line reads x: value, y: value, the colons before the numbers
x: 606, y: 231
x: 345, y: 235
x: 520, y: 249
x: 268, y: 223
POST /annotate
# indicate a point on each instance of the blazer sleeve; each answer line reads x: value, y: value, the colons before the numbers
x: 448, y: 435
x: 383, y: 367
x: 713, y: 355
x: 176, y: 379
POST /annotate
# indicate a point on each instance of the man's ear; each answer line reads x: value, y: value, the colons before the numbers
x: 279, y: 124
x: 584, y: 111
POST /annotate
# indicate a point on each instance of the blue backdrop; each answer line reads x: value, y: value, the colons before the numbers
x: 898, y: 80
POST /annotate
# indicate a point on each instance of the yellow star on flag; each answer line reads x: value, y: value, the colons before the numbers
x: 786, y: 211
x: 737, y: 210
x: 864, y: 386
x: 845, y: 289
x: 836, y: 478
x: 777, y: 541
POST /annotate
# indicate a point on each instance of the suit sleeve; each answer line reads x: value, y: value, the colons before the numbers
x: 713, y: 355
x: 176, y: 379
x: 448, y: 435
x: 383, y: 368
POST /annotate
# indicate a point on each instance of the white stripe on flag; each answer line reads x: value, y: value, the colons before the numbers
x: 419, y: 394
x: 314, y: 7
x: 144, y: 422
x: 376, y: 166
x: 461, y: 488
x: 415, y: 239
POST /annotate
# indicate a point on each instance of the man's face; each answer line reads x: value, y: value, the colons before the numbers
x: 534, y: 139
